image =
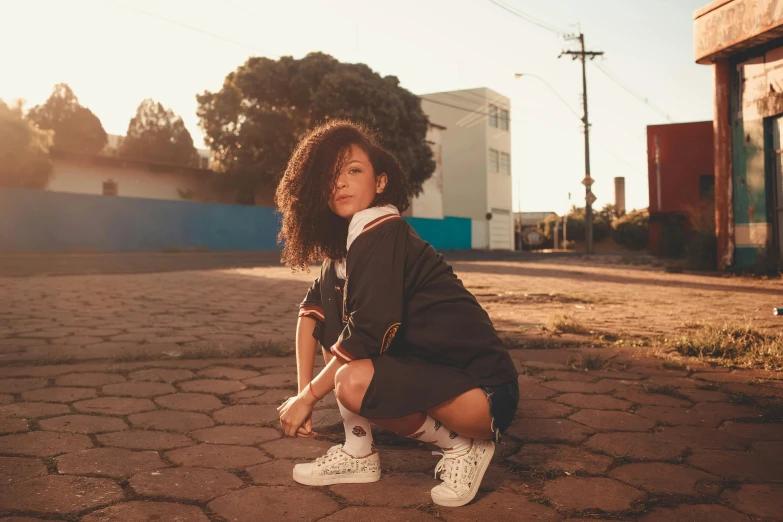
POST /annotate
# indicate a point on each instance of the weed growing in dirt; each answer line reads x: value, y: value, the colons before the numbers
x: 587, y: 362
x: 732, y: 345
x: 565, y: 323
x: 266, y: 348
x: 668, y: 389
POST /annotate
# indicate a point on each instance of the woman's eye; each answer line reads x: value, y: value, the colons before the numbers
x: 353, y: 171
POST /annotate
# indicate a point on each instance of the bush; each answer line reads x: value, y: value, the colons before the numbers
x: 632, y: 230
x: 576, y: 225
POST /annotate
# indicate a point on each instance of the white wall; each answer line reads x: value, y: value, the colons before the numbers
x: 429, y: 204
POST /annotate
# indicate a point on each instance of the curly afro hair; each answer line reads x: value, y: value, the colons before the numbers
x: 310, y: 232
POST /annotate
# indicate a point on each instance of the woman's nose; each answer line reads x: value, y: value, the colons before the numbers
x: 341, y: 182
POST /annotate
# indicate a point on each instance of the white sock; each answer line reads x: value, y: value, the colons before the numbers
x: 358, y: 435
x: 449, y: 441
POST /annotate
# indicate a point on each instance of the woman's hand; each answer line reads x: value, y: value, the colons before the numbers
x: 296, y: 416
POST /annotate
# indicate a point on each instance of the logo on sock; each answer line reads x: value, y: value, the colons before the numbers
x: 437, y: 424
x: 453, y: 434
x: 417, y: 435
x: 358, y: 431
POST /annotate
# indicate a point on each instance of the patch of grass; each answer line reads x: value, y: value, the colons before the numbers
x: 673, y: 364
x: 565, y: 323
x: 266, y: 348
x: 588, y: 361
x: 741, y: 398
x: 429, y: 508
x: 668, y: 389
x: 732, y: 345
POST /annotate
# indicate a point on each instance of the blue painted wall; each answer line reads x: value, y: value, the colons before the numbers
x: 34, y: 220
x: 450, y: 233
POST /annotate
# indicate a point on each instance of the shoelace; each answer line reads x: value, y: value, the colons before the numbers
x: 329, y: 455
x: 444, y: 467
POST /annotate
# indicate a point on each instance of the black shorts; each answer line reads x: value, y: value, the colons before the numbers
x: 503, y: 401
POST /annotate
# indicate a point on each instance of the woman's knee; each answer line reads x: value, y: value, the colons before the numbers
x: 351, y: 382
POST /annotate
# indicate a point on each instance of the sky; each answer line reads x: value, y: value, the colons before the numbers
x: 115, y: 53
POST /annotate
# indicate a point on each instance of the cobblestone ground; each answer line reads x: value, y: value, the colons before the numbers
x: 103, y: 419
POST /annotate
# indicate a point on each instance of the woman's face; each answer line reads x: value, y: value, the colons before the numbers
x: 356, y: 185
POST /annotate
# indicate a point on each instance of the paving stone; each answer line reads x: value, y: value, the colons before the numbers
x: 772, y: 450
x: 274, y: 380
x: 612, y: 420
x: 351, y: 514
x: 500, y: 506
x: 580, y: 493
x: 676, y: 382
x: 544, y: 457
x: 162, y: 375
x: 60, y: 495
x: 582, y: 387
x: 706, y: 438
x: 567, y: 376
x: 706, y: 396
x: 109, y: 462
x: 612, y: 374
x: 729, y: 411
x: 189, y: 402
x: 227, y: 372
x: 43, y: 443
x: 89, y: 379
x: 637, y: 446
x: 650, y: 399
x: 144, y: 439
x: 395, y: 490
x: 765, y: 431
x: 276, y: 503
x: 21, y: 384
x: 114, y: 405
x: 721, y: 377
x: 662, y: 478
x: 736, y: 465
x: 554, y: 430
x: 407, y: 460
x: 299, y: 449
x: 538, y: 409
x: 32, y: 410
x: 534, y: 392
x: 278, y: 396
x: 675, y: 416
x: 761, y: 500
x: 18, y: 469
x: 83, y: 424
x: 247, y: 414
x: 239, y: 435
x: 22, y: 519
x: 58, y: 394
x: 217, y: 456
x: 195, y: 484
x: 138, y: 389
x: 594, y: 402
x: 166, y: 420
x: 276, y: 472
x: 9, y: 425
x: 142, y: 511
x: 325, y: 419
x: 6, y: 399
x: 694, y: 513
x: 216, y: 386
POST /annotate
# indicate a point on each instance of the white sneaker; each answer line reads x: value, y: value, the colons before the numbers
x: 462, y: 475
x: 337, y: 467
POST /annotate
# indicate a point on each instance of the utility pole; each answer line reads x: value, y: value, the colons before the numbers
x: 590, y: 198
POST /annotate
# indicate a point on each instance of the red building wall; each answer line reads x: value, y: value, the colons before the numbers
x: 685, y: 153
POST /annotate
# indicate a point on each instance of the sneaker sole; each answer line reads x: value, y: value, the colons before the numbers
x: 353, y: 478
x: 457, y: 502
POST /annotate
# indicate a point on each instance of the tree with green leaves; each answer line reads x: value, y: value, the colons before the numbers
x: 254, y: 121
x: 156, y: 134
x: 75, y: 127
x: 24, y: 150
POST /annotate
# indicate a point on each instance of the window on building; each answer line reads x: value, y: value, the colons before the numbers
x: 505, y: 163
x: 493, y: 116
x: 707, y: 188
x: 503, y: 119
x: 493, y: 160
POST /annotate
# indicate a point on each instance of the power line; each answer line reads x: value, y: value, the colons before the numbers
x: 633, y: 93
x: 516, y: 12
x: 190, y: 28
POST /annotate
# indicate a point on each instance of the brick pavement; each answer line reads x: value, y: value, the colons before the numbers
x: 102, y: 420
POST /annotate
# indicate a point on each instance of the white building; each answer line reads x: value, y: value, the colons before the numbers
x: 476, y: 161
x: 429, y: 203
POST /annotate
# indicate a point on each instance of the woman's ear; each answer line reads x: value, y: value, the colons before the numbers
x: 380, y: 183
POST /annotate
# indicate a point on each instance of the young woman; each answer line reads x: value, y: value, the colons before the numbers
x: 407, y: 347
